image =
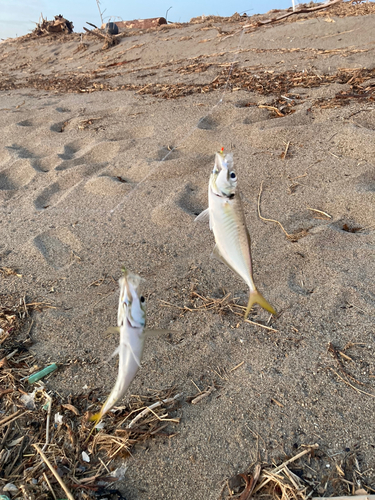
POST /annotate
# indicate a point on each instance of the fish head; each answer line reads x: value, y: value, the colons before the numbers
x: 223, y: 178
x: 132, y: 304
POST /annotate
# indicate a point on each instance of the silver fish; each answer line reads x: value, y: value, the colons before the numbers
x: 227, y: 221
x: 131, y: 320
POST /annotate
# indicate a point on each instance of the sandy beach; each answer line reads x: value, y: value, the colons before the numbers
x: 105, y: 157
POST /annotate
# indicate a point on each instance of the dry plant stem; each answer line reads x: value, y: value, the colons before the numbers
x: 250, y: 483
x: 283, y: 465
x: 11, y: 418
x: 49, y: 399
x: 150, y: 408
x: 286, y: 150
x: 351, y: 385
x: 269, y: 220
x: 203, y: 395
x: 49, y: 485
x: 262, y: 326
x: 54, y: 472
x: 320, y: 212
x: 299, y: 11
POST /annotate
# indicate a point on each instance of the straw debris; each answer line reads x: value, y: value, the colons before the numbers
x: 44, y: 445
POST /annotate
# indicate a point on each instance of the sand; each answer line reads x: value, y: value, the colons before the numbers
x: 86, y: 187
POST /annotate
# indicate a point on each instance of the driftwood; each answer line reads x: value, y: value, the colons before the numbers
x: 303, y: 10
x: 109, y: 40
x: 140, y: 23
x: 58, y: 25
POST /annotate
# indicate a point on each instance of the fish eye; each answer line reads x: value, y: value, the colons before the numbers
x: 142, y: 299
x: 232, y: 175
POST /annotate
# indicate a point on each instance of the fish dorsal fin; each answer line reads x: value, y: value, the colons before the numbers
x: 203, y: 216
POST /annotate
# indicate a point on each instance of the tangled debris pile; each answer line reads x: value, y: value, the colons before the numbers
x: 58, y: 25
x: 45, y: 442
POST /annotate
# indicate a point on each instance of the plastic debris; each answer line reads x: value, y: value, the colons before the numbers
x: 4, y: 497
x: 85, y: 457
x: 58, y: 418
x: 42, y: 373
x: 119, y: 473
x: 10, y: 487
x: 29, y: 400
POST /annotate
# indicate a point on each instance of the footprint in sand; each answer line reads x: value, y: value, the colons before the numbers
x: 179, y: 208
x: 207, y: 123
x: 55, y: 192
x: 100, y: 153
x: 366, y: 181
x: 108, y: 185
x: 17, y: 175
x: 59, y: 248
x: 166, y: 153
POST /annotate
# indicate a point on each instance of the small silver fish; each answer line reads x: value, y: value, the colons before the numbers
x: 131, y: 320
x: 227, y: 221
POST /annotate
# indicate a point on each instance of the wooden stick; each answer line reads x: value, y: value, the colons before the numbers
x: 54, y: 472
x: 299, y: 11
x: 12, y: 417
x: 150, y: 408
x: 203, y: 395
x: 49, y: 485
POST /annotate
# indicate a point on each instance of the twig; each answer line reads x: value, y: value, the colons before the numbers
x: 299, y: 11
x: 203, y: 395
x: 280, y: 467
x: 250, y: 483
x: 11, y: 418
x: 283, y: 155
x: 54, y: 472
x: 351, y: 385
x: 49, y: 485
x: 270, y: 220
x: 150, y: 408
x: 320, y: 212
x: 237, y: 366
x: 49, y: 399
x: 253, y: 322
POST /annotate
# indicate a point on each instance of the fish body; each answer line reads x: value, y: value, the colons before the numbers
x: 131, y: 322
x: 227, y: 221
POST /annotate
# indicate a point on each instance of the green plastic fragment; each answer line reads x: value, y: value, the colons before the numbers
x: 4, y: 497
x: 42, y: 373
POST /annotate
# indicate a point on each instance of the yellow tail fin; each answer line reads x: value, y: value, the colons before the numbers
x: 94, y: 418
x: 257, y: 298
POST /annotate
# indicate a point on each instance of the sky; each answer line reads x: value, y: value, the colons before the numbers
x: 18, y: 17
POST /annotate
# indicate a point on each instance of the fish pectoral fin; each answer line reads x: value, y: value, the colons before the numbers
x: 136, y: 358
x: 115, y: 352
x: 257, y: 298
x: 156, y: 332
x: 203, y: 216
